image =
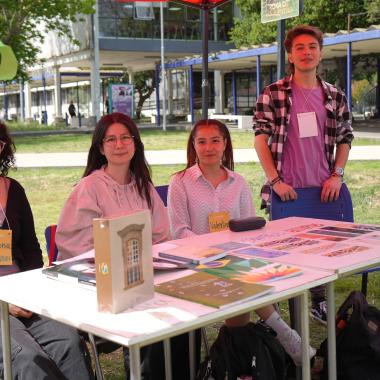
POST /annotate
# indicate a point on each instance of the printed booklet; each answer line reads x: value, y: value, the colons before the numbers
x: 193, y: 254
x: 80, y: 271
x: 211, y: 290
x: 249, y: 270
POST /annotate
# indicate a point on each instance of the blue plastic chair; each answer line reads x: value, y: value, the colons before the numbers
x: 51, y: 248
x: 163, y: 193
x: 309, y: 205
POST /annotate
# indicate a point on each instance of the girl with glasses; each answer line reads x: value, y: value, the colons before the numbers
x: 116, y: 180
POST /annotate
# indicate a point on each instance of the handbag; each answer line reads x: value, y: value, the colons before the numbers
x: 357, y: 340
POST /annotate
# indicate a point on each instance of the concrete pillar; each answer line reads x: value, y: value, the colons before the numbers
x: 191, y: 94
x: 378, y: 89
x: 130, y: 76
x: 95, y: 68
x: 348, y: 76
x: 219, y: 91
x: 22, y: 107
x: 28, y: 101
x: 57, y: 93
x: 169, y: 91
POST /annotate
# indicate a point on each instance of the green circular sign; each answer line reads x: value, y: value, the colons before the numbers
x: 8, y: 62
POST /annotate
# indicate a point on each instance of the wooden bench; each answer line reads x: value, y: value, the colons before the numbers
x: 243, y: 121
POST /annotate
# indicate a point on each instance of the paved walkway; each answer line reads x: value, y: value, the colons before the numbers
x: 162, y: 157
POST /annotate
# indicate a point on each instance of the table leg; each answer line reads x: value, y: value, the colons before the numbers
x: 6, y: 341
x: 295, y: 317
x: 168, y: 360
x: 305, y: 336
x: 331, y: 337
x: 192, y: 354
x: 134, y: 359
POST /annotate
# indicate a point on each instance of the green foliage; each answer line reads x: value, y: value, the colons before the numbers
x: 329, y: 15
x: 21, y: 22
x: 373, y: 8
x: 144, y: 83
x: 359, y: 88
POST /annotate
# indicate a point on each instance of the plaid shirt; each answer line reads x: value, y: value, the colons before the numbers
x: 272, y: 117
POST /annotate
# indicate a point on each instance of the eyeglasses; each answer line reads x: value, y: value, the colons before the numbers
x: 2, y: 145
x: 111, y: 141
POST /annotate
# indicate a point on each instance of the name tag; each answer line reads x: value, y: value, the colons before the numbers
x: 307, y: 124
x: 218, y: 221
x: 5, y: 247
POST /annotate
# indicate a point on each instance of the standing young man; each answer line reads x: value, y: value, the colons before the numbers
x: 300, y: 122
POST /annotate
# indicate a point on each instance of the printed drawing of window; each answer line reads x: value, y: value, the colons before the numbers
x: 131, y: 237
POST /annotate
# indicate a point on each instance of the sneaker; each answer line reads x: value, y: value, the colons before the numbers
x: 291, y: 342
x: 318, y: 312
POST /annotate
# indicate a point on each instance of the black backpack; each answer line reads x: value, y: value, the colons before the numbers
x: 252, y: 350
x: 357, y: 341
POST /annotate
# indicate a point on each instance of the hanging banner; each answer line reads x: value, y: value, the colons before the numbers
x: 274, y: 10
x: 121, y: 98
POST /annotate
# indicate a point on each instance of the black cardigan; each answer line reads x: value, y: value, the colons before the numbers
x: 25, y: 247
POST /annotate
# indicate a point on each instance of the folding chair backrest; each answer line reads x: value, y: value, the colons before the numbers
x: 309, y: 205
x: 163, y: 193
x: 51, y: 248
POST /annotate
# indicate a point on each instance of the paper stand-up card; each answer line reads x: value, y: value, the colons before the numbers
x: 123, y: 260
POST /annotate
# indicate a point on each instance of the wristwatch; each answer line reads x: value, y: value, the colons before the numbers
x: 338, y: 172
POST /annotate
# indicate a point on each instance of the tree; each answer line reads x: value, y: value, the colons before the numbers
x: 20, y: 22
x: 144, y: 83
x: 373, y: 8
x: 329, y: 15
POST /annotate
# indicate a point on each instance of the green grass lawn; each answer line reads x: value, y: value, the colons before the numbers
x: 153, y: 140
x: 47, y: 190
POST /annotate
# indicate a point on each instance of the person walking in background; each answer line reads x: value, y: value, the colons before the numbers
x: 72, y: 111
x: 303, y: 132
x: 41, y: 348
x: 207, y: 187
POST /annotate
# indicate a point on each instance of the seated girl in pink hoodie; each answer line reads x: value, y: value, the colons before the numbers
x: 116, y: 180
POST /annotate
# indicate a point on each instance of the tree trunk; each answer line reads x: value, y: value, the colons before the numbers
x: 142, y: 98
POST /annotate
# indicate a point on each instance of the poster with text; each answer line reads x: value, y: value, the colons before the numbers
x: 122, y: 98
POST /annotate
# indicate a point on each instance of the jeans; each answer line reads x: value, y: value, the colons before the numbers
x: 42, y: 348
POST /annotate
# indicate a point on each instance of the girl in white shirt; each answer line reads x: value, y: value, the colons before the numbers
x: 208, y: 185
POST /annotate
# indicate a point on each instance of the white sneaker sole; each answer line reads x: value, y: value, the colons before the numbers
x: 316, y: 319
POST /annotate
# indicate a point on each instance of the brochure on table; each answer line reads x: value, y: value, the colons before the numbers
x: 329, y: 245
x: 211, y: 290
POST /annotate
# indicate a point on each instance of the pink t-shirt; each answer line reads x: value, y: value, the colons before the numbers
x: 304, y: 162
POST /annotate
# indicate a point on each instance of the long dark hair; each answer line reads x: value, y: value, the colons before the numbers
x: 228, y: 156
x: 7, y: 156
x: 139, y: 166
